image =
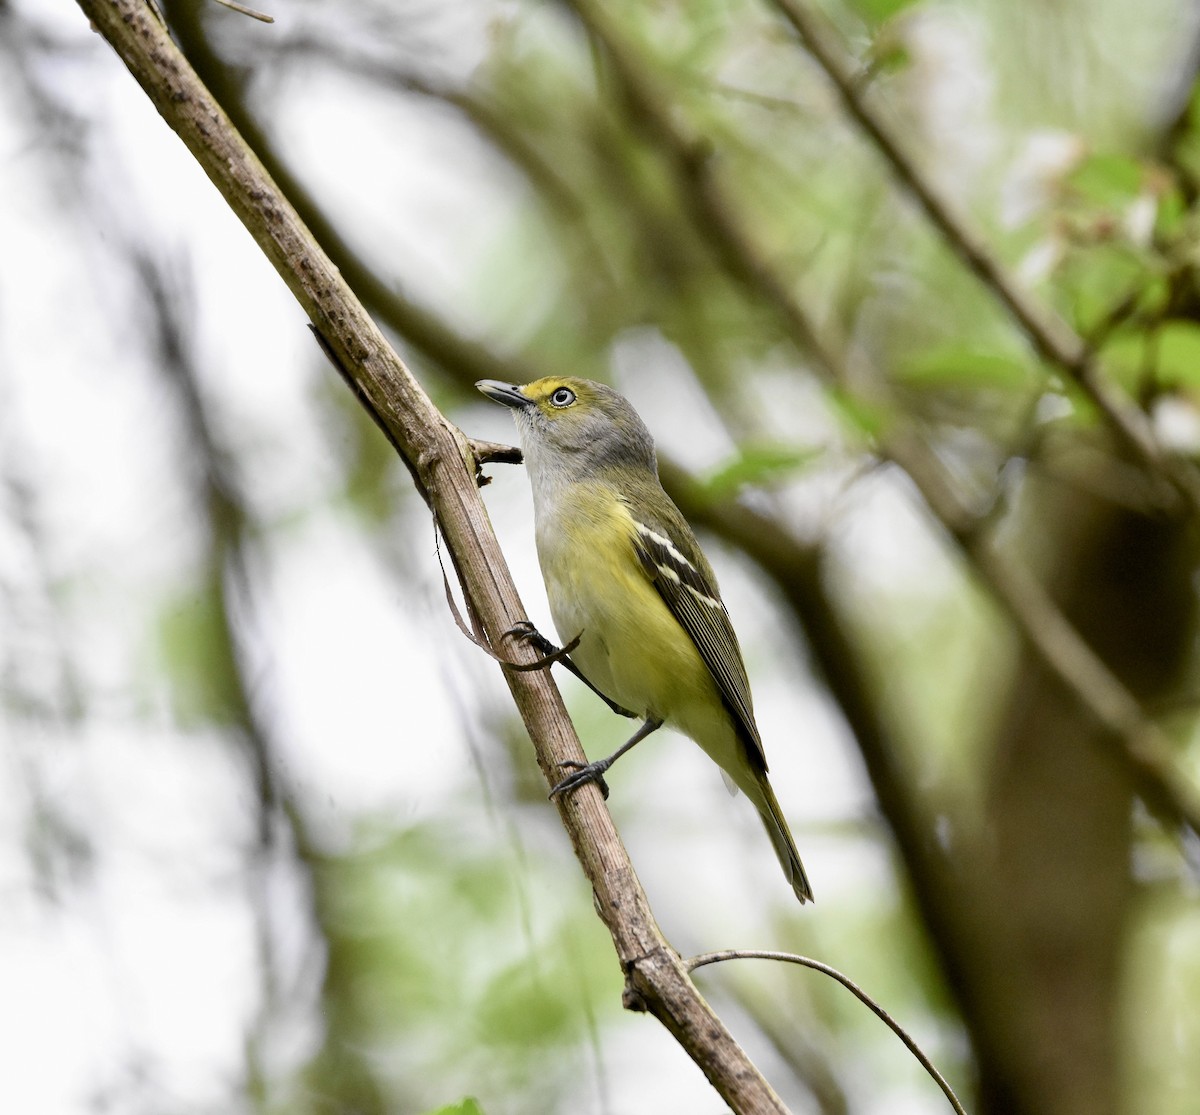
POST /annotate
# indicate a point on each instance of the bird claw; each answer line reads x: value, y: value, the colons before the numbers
x: 583, y: 774
x: 524, y: 631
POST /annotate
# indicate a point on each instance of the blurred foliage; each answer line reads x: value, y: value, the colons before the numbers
x: 761, y: 465
x: 435, y: 977
x: 465, y: 1107
x: 982, y: 867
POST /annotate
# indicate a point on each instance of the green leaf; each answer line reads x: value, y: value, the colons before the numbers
x: 1171, y: 218
x: 879, y: 11
x: 511, y: 1011
x: 863, y: 417
x: 960, y: 365
x: 370, y: 462
x: 467, y: 1106
x: 1170, y: 353
x: 1108, y: 179
x: 888, y: 56
x: 1178, y: 344
x: 757, y: 464
x: 1099, y: 278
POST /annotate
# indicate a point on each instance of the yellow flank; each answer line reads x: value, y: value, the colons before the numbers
x: 598, y: 587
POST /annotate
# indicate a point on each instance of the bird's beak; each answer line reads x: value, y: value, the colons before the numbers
x: 509, y: 394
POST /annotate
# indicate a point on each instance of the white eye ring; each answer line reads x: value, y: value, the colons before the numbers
x: 563, y: 397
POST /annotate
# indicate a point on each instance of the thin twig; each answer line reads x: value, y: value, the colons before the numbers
x: 807, y: 962
x: 241, y: 9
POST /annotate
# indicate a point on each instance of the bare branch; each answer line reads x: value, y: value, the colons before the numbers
x: 817, y: 966
x: 443, y: 468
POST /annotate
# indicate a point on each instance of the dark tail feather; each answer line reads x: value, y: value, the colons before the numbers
x: 785, y: 846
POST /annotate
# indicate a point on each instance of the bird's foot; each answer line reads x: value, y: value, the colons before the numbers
x: 525, y: 632
x: 583, y: 773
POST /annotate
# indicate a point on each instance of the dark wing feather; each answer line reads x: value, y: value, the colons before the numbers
x: 672, y: 560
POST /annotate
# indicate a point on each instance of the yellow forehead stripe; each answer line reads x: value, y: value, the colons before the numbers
x: 541, y: 389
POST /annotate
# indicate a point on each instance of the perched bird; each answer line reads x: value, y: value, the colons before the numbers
x: 625, y: 574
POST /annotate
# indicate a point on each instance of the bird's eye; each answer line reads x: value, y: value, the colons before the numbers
x: 563, y: 397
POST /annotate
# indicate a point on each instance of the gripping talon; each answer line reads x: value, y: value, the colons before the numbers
x: 583, y: 774
x: 526, y: 632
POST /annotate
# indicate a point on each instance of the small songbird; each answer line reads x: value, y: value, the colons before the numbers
x: 625, y: 575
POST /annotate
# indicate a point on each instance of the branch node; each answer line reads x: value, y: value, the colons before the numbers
x: 632, y: 999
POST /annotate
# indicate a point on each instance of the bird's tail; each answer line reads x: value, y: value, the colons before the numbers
x: 781, y: 838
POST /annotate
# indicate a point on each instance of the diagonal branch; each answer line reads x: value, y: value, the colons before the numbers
x: 1140, y: 743
x: 443, y: 468
x: 1050, y: 335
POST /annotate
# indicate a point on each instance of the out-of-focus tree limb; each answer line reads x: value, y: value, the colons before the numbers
x: 440, y: 461
x: 228, y: 532
x: 424, y: 329
x: 1051, y: 337
x: 1033, y: 613
x: 1059, y: 906
x: 485, y: 115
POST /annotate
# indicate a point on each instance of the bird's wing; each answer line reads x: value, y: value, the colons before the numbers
x: 672, y: 560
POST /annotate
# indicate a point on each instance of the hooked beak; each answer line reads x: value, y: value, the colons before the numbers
x: 508, y: 394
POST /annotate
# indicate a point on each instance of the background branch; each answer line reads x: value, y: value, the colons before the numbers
x: 1050, y: 336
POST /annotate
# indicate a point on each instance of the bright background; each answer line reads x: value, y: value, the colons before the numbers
x: 272, y: 838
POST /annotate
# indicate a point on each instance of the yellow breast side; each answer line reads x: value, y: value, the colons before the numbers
x: 633, y: 649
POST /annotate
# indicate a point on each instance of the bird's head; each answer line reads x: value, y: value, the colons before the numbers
x: 574, y: 426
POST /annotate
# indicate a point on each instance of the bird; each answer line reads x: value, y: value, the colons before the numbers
x: 631, y: 592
